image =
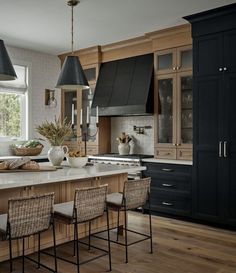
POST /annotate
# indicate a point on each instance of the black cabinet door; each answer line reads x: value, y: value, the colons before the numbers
x: 230, y: 153
x: 230, y: 51
x: 208, y: 55
x: 208, y: 129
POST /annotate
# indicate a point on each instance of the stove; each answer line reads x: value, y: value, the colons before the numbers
x: 117, y: 159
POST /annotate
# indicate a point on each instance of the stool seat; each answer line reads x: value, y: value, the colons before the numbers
x: 3, y: 223
x: 115, y: 199
x: 64, y: 212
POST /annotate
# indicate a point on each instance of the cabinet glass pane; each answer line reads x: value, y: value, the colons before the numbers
x: 165, y: 115
x: 186, y: 59
x: 164, y: 61
x: 87, y: 98
x: 186, y: 110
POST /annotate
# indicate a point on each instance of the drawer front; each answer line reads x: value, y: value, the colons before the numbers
x: 170, y: 203
x: 165, y: 153
x: 184, y: 154
x: 168, y: 169
x: 175, y: 183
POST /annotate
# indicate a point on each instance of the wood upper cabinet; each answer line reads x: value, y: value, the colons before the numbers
x: 173, y: 60
x: 98, y: 139
x: 173, y: 111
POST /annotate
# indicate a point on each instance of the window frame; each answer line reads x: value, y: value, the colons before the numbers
x: 25, y: 105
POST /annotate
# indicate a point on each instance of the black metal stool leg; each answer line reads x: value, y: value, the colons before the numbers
x: 54, y: 246
x: 74, y: 242
x: 150, y: 226
x: 77, y: 245
x: 118, y: 223
x: 109, y: 242
x: 39, y: 250
x: 126, y: 239
x: 23, y: 256
x: 10, y: 253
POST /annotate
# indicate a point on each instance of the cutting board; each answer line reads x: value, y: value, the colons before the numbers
x: 41, y: 169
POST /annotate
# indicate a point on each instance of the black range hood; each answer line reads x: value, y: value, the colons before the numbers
x: 125, y: 87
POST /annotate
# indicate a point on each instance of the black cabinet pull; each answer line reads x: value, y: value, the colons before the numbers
x: 167, y: 204
x: 167, y: 185
x: 167, y: 170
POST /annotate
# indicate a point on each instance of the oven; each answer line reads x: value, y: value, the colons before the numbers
x: 116, y: 159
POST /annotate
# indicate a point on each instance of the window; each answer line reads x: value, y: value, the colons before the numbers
x: 14, y: 105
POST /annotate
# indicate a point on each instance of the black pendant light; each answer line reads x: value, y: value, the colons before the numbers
x: 72, y: 75
x: 7, y: 72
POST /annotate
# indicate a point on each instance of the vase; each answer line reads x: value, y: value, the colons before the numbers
x: 123, y: 148
x: 56, y: 154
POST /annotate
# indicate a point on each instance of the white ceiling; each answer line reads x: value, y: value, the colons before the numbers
x: 45, y: 25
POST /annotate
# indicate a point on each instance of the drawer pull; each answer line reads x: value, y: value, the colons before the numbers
x: 167, y: 185
x: 167, y: 204
x: 167, y: 170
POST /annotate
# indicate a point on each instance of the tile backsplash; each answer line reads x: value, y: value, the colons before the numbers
x: 141, y: 143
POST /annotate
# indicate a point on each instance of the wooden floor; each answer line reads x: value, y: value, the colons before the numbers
x: 179, y: 247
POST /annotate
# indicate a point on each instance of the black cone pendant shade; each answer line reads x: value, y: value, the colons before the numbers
x: 7, y: 72
x: 72, y: 75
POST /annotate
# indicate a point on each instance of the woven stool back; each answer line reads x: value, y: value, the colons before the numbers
x: 29, y: 215
x: 90, y: 203
x: 136, y: 193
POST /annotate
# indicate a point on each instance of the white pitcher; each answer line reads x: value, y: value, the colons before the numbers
x: 56, y: 154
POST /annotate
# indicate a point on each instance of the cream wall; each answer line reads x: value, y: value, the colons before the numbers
x: 45, y: 69
x: 142, y: 143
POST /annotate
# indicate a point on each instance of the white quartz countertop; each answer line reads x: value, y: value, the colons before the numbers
x: 167, y: 161
x: 22, y: 179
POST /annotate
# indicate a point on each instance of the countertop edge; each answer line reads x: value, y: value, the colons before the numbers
x: 61, y: 175
x: 168, y: 161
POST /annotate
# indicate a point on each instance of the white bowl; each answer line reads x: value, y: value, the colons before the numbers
x: 77, y: 162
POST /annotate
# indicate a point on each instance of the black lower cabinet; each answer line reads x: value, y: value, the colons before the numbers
x: 170, y: 188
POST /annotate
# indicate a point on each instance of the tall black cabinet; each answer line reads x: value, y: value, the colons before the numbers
x: 214, y: 115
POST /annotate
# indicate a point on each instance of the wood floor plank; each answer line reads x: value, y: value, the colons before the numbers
x: 179, y: 247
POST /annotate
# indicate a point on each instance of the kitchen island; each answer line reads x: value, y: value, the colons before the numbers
x: 63, y: 183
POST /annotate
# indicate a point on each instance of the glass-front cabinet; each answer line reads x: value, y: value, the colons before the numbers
x: 76, y: 108
x: 173, y: 60
x: 173, y: 111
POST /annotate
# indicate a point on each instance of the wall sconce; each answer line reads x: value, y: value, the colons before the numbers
x: 140, y: 130
x: 50, y: 99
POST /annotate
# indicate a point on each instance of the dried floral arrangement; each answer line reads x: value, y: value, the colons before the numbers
x: 55, y: 131
x: 124, y: 138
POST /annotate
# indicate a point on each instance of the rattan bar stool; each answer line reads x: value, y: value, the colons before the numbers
x: 135, y: 195
x: 28, y: 216
x: 88, y: 204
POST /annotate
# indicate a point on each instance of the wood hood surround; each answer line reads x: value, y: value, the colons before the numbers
x: 148, y: 43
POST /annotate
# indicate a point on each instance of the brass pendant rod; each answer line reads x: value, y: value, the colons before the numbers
x: 72, y: 3
x: 72, y: 29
